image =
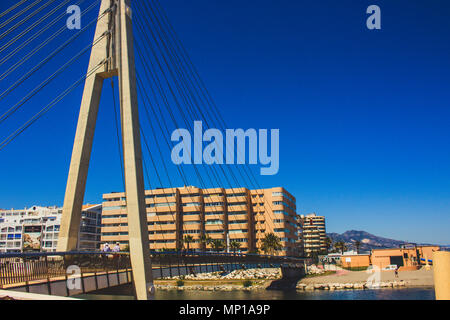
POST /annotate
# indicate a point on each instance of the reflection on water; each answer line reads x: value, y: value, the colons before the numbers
x: 422, y: 293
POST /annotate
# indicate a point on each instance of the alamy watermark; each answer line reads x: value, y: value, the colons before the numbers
x: 374, y: 20
x: 73, y: 277
x: 235, y: 140
x: 74, y: 20
x: 374, y: 280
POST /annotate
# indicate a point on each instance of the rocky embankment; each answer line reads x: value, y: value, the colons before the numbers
x: 222, y: 287
x: 346, y: 286
x: 249, y: 274
x: 252, y: 279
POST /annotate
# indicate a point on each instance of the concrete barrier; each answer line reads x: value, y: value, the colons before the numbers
x: 16, y: 295
x: 441, y: 270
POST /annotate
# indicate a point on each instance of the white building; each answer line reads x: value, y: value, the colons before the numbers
x: 37, y: 229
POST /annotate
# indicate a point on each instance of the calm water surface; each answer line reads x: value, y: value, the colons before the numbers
x: 422, y: 293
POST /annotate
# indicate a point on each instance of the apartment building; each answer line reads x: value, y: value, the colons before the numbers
x: 37, y: 229
x: 237, y: 214
x: 313, y: 233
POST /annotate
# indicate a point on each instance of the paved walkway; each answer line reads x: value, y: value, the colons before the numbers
x: 413, y: 278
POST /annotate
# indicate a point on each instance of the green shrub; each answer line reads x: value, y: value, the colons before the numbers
x: 247, y: 283
x: 180, y: 283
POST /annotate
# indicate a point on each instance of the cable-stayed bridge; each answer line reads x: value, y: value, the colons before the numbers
x: 154, y: 88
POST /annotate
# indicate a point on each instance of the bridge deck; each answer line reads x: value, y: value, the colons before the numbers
x: 68, y: 274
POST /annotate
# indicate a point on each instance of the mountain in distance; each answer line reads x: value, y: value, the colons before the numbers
x: 368, y: 240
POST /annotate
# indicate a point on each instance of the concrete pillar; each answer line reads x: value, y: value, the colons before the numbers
x: 121, y: 64
x: 82, y: 146
x: 441, y: 270
x: 134, y: 179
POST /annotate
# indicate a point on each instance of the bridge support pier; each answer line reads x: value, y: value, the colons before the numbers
x: 441, y: 270
x: 116, y: 53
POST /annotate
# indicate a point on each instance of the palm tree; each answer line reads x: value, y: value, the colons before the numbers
x: 271, y: 244
x: 328, y: 243
x: 235, y: 245
x: 205, y: 239
x: 357, y: 245
x: 188, y: 240
x: 314, y: 256
x: 341, y: 246
x: 217, y: 244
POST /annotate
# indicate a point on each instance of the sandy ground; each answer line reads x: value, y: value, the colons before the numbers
x: 412, y: 278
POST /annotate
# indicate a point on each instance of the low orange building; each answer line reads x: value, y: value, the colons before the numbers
x: 404, y: 258
x: 426, y: 252
x: 355, y: 261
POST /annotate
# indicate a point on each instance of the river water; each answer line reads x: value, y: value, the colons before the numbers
x: 419, y: 293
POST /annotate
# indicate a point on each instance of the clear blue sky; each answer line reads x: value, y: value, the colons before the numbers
x: 363, y: 115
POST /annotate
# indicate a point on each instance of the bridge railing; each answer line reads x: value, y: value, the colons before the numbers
x: 25, y: 268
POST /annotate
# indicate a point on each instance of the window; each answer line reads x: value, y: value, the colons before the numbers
x: 238, y: 231
x: 105, y: 208
x: 237, y: 222
x: 190, y: 195
x: 154, y: 214
x: 191, y: 231
x: 214, y: 221
x: 115, y: 216
x: 191, y: 213
x: 283, y: 204
x: 153, y: 205
x: 236, y: 195
x: 214, y: 232
x: 242, y: 240
x: 281, y: 230
x: 237, y: 204
x: 215, y: 213
x: 166, y: 195
x: 114, y: 233
x: 161, y: 241
x: 281, y: 212
x: 162, y: 232
x: 191, y: 204
x: 213, y: 195
x: 113, y: 199
x: 159, y: 223
x: 234, y: 213
x: 213, y: 204
x: 283, y: 194
x: 192, y: 222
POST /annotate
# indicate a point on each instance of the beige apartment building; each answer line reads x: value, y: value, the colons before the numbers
x: 237, y: 214
x: 314, y: 233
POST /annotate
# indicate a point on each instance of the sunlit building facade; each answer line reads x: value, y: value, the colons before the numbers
x: 229, y: 215
x: 37, y: 229
x: 313, y: 234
